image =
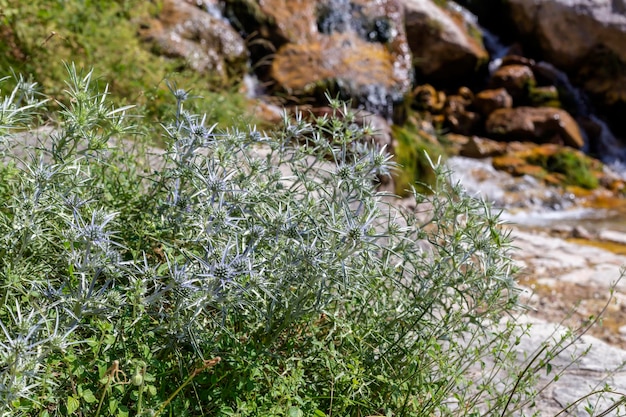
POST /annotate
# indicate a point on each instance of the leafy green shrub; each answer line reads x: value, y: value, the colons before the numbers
x: 240, y: 274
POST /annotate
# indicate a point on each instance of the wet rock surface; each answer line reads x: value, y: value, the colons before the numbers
x: 198, y: 33
x: 357, y: 48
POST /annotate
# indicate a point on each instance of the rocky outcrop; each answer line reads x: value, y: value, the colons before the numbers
x: 443, y: 42
x: 535, y: 124
x: 197, y: 33
x: 515, y: 79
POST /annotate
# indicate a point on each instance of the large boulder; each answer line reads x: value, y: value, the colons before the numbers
x: 584, y: 37
x: 354, y: 47
x: 196, y: 32
x: 444, y: 42
x: 569, y: 30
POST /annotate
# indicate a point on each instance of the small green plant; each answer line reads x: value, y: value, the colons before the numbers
x: 240, y: 274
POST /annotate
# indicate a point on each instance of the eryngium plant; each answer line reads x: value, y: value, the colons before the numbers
x: 121, y: 273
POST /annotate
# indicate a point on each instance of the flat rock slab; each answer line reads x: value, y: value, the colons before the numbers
x: 560, y: 275
x: 586, y: 366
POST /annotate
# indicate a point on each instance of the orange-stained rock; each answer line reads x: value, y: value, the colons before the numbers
x: 443, y: 42
x: 535, y: 124
x: 516, y: 79
x: 528, y: 169
x: 507, y: 163
x: 487, y: 101
x: 555, y: 165
x: 356, y: 63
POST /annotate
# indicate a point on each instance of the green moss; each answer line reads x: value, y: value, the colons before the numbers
x: 575, y: 166
x: 415, y: 170
x: 542, y: 96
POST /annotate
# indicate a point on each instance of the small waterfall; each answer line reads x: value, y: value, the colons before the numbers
x: 213, y: 9
x: 335, y: 17
x: 612, y: 150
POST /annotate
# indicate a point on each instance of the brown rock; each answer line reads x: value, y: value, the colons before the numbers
x: 425, y: 97
x: 466, y: 94
x: 460, y: 120
x: 477, y: 147
x: 207, y: 42
x: 487, y: 101
x: 585, y: 37
x: 517, y: 60
x: 516, y: 79
x: 354, y: 63
x: 536, y: 124
x: 444, y: 44
x: 567, y: 30
x: 528, y: 169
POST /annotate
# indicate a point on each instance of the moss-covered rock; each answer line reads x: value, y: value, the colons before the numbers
x: 554, y: 164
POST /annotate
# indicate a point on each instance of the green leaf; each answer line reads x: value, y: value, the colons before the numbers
x: 122, y: 411
x: 112, y: 406
x: 295, y: 412
x: 88, y: 396
x: 72, y: 404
